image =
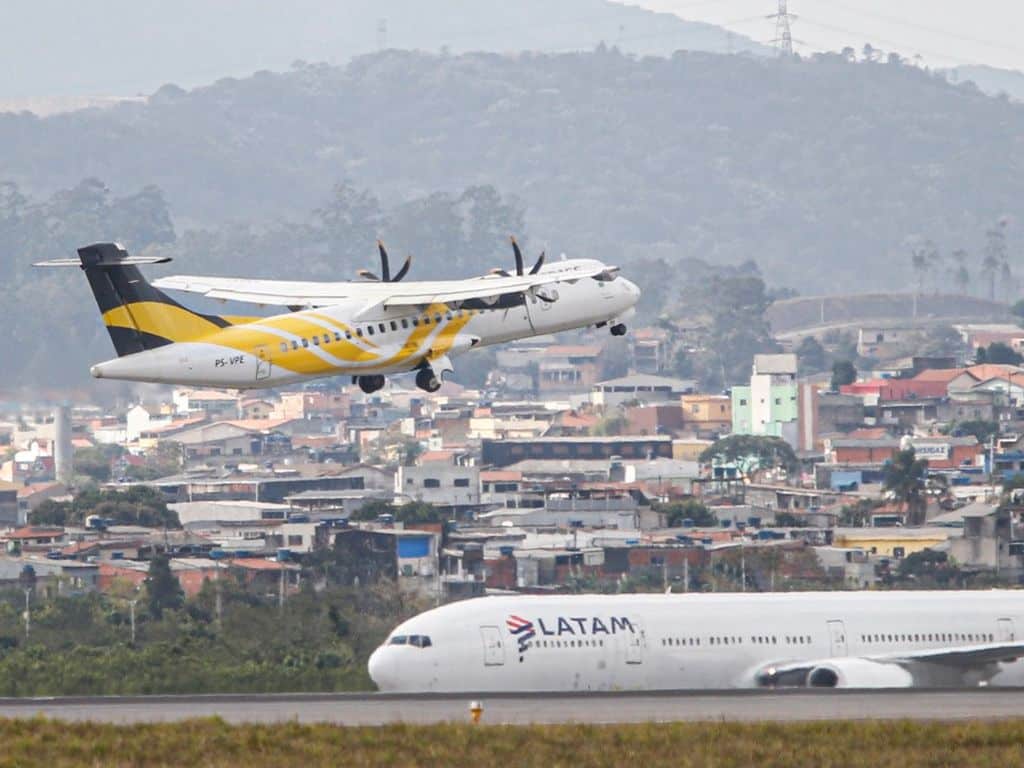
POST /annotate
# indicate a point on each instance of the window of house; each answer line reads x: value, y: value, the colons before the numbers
x: 462, y: 482
x: 743, y: 402
x: 294, y: 541
x: 431, y: 482
x: 778, y: 401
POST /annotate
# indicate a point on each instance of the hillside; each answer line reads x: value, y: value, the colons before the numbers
x: 191, y: 42
x: 819, y: 170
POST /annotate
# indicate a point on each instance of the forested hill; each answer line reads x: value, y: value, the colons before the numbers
x: 817, y: 169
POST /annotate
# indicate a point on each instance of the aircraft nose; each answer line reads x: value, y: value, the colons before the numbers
x: 381, y: 667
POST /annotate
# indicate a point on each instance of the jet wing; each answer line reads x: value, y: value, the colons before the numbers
x: 376, y: 294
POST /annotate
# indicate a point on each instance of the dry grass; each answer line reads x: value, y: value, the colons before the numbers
x: 212, y: 742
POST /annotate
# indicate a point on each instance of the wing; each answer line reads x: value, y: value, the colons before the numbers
x: 383, y: 295
x: 888, y: 670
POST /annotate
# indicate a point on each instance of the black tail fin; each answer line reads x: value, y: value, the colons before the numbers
x: 137, y: 315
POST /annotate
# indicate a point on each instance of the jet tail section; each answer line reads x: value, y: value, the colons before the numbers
x: 137, y: 315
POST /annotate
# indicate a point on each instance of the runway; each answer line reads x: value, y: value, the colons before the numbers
x: 382, y: 709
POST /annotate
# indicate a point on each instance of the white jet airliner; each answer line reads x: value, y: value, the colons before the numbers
x: 365, y: 329
x: 688, y: 641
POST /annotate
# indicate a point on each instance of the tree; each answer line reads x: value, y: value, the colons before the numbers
x: 961, y: 275
x: 994, y: 260
x: 751, y: 452
x: 843, y: 373
x: 811, y: 355
x: 999, y: 353
x: 690, y: 509
x: 904, y: 477
x: 163, y: 592
x: 982, y: 430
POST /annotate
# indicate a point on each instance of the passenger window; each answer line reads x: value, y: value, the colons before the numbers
x: 348, y: 334
x: 437, y: 317
x: 426, y: 319
x: 316, y: 341
x: 327, y: 338
x: 448, y: 316
x: 415, y: 322
x: 284, y: 346
x: 337, y: 336
x: 394, y: 326
x: 405, y: 323
x: 295, y: 344
x: 369, y: 329
x: 305, y: 343
x: 359, y: 332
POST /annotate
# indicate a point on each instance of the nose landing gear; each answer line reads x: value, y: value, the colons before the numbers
x: 619, y: 329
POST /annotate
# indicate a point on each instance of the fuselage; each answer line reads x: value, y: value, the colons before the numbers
x: 350, y: 339
x: 689, y: 641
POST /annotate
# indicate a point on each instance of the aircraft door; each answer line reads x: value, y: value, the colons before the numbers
x: 636, y: 642
x: 494, y: 649
x: 263, y: 363
x: 1005, y: 633
x: 836, y: 638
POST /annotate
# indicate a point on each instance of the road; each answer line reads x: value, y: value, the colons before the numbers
x: 380, y: 709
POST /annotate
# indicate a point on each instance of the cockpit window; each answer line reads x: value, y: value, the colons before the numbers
x: 418, y: 641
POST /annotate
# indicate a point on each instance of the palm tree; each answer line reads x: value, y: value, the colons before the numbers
x: 961, y: 277
x: 905, y: 479
x: 995, y: 259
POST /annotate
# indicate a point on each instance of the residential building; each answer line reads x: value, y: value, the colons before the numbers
x: 639, y: 388
x: 707, y: 415
x: 768, y: 406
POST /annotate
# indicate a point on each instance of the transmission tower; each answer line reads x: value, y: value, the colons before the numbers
x: 382, y: 34
x: 783, y: 35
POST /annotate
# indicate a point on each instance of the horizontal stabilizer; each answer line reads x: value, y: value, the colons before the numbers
x: 103, y: 255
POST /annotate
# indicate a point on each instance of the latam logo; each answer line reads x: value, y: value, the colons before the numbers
x: 576, y: 626
x: 522, y: 630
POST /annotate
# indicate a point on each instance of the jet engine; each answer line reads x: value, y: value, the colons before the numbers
x: 858, y: 673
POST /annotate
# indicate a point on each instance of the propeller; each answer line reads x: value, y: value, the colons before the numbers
x: 385, y: 268
x: 519, y: 262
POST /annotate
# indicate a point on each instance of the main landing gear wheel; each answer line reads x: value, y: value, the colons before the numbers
x: 619, y: 329
x: 370, y: 384
x: 427, y: 380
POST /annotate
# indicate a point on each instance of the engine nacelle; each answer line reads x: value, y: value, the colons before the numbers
x: 858, y: 673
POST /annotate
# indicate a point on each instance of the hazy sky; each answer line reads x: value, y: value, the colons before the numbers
x: 944, y: 32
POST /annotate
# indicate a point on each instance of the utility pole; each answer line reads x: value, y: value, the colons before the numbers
x: 743, y: 567
x: 382, y: 34
x: 686, y: 574
x: 783, y: 35
x: 131, y: 604
x: 28, y: 613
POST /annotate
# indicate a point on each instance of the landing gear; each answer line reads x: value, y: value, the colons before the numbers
x: 619, y: 329
x: 427, y: 380
x: 370, y: 384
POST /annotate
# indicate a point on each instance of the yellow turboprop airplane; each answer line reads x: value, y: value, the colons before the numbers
x: 364, y: 329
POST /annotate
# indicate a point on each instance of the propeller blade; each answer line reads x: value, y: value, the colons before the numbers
x: 538, y: 265
x: 385, y: 268
x: 519, y: 256
x: 368, y: 275
x: 402, y: 272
